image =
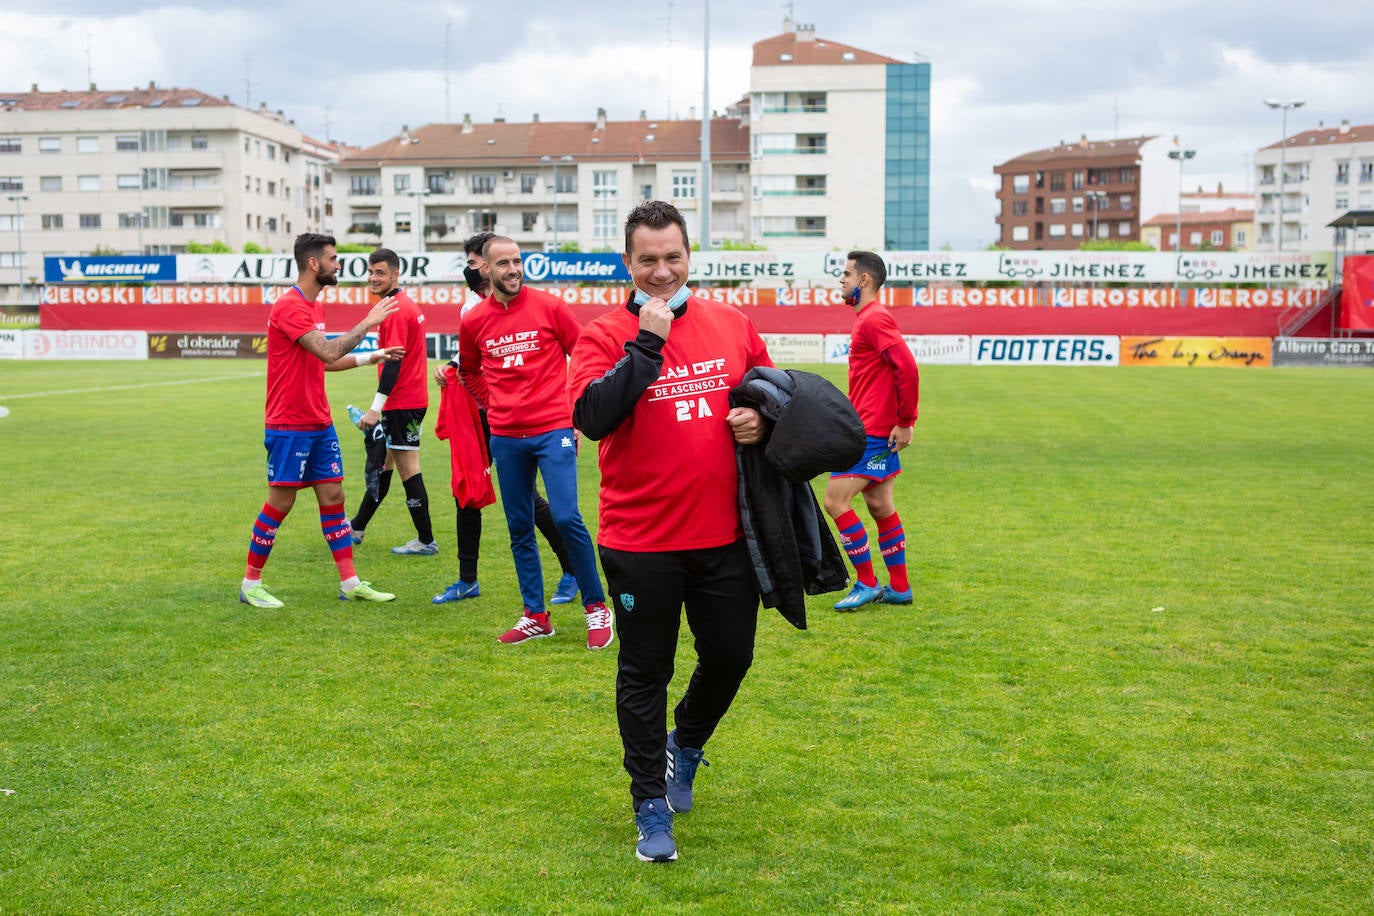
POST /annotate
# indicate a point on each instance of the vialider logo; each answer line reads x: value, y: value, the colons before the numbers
x: 536, y: 266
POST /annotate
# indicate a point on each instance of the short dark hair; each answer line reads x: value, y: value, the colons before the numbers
x: 311, y: 245
x: 475, y: 244
x: 654, y: 214
x: 384, y: 256
x: 493, y: 238
x: 868, y: 262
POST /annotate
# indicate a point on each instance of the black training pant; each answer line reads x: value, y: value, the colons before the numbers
x: 649, y: 590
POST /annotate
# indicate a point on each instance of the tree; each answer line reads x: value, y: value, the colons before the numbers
x: 218, y: 246
x: 254, y: 248
x: 1109, y: 245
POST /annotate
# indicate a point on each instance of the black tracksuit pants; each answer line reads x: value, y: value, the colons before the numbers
x: 649, y: 590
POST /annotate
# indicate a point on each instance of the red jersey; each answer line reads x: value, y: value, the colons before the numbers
x: 406, y: 328
x: 884, y: 383
x: 513, y: 357
x: 668, y: 473
x: 295, y: 376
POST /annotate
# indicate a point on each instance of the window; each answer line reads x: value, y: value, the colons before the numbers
x: 271, y: 224
x: 11, y: 259
x: 1020, y: 233
x: 247, y: 148
x: 11, y: 145
x: 1217, y: 237
x: 484, y: 184
x: 1240, y: 238
x: 127, y: 144
x: 1366, y: 170
x: 50, y: 183
x: 88, y: 182
x: 529, y: 221
x: 1123, y: 228
x: 1342, y: 173
x: 90, y: 221
x: 1078, y: 181
x: 178, y: 219
x: 363, y: 185
x: 1020, y: 207
x: 1125, y: 200
x: 1126, y: 176
x: 155, y: 179
x: 11, y: 183
x: 271, y: 152
x: 88, y: 144
x: 528, y: 182
x: 402, y: 221
x: 271, y: 189
x: 1342, y: 201
x: 1058, y: 205
x: 684, y: 185
x: 483, y: 220
x: 1173, y: 240
x: 1020, y: 184
x: 604, y: 184
x: 1195, y: 238
x: 211, y: 221
x: 52, y: 220
x: 1077, y: 230
x: 402, y: 183
x: 565, y: 222
x: 11, y: 222
x: 50, y: 144
x: 438, y: 184
x: 128, y: 220
x: 604, y: 224
x: 127, y: 182
x: 1056, y: 231
x: 646, y: 192
x: 1057, y: 181
x: 565, y: 183
x: 1078, y: 205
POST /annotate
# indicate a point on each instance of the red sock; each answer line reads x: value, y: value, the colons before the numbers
x: 892, y: 544
x: 854, y: 540
x: 264, y: 536
x: 339, y: 536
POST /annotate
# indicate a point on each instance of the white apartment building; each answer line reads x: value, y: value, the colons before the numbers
x: 147, y: 171
x: 1326, y: 172
x: 544, y: 184
x: 840, y: 145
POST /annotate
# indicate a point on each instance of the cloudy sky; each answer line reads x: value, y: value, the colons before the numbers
x: 1008, y: 77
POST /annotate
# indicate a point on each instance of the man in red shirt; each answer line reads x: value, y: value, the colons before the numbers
x: 513, y: 357
x: 651, y: 381
x: 884, y: 386
x: 302, y: 448
x: 400, y: 404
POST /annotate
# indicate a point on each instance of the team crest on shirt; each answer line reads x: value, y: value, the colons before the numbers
x: 627, y: 601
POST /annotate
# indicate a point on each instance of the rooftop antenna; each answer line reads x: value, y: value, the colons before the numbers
x: 669, y: 114
x: 90, y: 78
x: 247, y: 82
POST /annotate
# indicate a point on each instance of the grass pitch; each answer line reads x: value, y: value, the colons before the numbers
x: 1137, y: 676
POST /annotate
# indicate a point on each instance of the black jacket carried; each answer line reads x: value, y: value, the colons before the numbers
x: 814, y: 429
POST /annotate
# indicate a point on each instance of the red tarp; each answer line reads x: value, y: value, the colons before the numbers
x: 1357, y: 293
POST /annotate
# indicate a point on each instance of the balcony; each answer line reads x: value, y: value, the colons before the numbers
x: 796, y: 192
x: 794, y: 234
x: 796, y: 151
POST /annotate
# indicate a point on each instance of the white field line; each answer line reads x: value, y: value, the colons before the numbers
x: 193, y: 381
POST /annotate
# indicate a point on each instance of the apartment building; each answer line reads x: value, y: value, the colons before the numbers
x: 545, y: 184
x: 1203, y: 230
x: 840, y: 145
x: 1058, y: 198
x: 147, y: 171
x: 1304, y: 182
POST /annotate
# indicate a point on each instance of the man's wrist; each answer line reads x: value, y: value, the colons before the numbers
x: 378, y: 402
x: 363, y: 359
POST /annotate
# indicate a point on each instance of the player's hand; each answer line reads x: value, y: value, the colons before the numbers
x: 381, y: 311
x: 389, y: 354
x: 747, y: 425
x: 900, y: 437
x: 439, y: 377
x: 369, y: 419
x: 656, y: 318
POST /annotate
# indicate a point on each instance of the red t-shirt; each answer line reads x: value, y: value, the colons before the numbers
x: 668, y: 475
x: 513, y: 357
x: 884, y: 383
x: 295, y: 376
x: 406, y: 328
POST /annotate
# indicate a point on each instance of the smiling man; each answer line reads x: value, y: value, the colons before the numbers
x: 400, y: 404
x: 513, y: 357
x: 651, y: 381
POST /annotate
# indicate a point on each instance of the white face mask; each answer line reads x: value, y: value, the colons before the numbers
x: 674, y: 303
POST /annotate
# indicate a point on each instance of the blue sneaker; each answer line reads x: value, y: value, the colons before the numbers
x: 457, y: 592
x: 682, y: 770
x: 358, y: 535
x: 655, y: 822
x: 892, y: 596
x: 858, y: 596
x: 566, y: 591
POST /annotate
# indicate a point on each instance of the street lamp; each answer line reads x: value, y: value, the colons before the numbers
x: 1283, y: 150
x: 550, y: 160
x: 1180, y: 156
x: 1096, y: 197
x: 419, y: 195
x: 19, y: 228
